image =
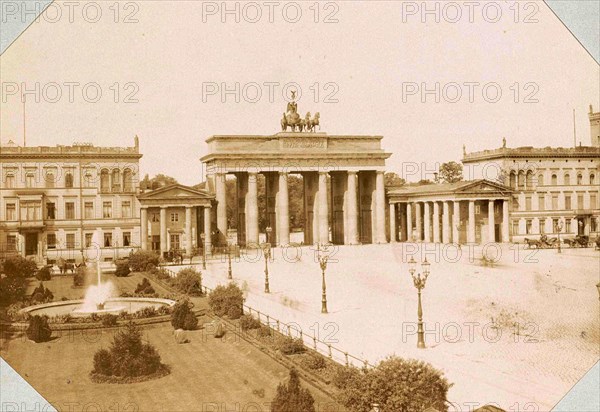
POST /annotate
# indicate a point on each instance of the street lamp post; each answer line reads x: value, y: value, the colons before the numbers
x: 419, y: 283
x: 323, y: 265
x: 559, y: 228
x: 598, y: 287
x: 267, y: 253
x: 202, y: 237
x: 229, y: 274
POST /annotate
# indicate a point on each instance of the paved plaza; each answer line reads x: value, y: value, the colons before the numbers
x: 496, y: 331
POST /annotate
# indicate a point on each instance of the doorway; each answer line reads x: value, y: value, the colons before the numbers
x: 31, y: 244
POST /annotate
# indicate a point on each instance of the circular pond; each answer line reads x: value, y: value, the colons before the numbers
x: 81, y: 309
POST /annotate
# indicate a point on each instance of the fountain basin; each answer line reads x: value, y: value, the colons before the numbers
x: 76, y: 308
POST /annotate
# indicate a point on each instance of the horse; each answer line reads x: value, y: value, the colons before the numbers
x: 533, y: 242
x: 310, y: 127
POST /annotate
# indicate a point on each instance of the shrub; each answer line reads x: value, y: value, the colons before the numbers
x: 147, y: 312
x: 223, y: 298
x: 79, y: 277
x: 145, y: 288
x: 161, y: 274
x: 143, y: 260
x: 292, y: 346
x: 264, y: 331
x: 314, y: 362
x: 188, y: 281
x: 13, y: 285
x: 43, y: 274
x: 398, y: 385
x: 19, y: 266
x: 109, y: 320
x: 292, y: 397
x: 38, y: 329
x: 182, y: 316
x: 122, y: 269
x: 14, y: 312
x: 41, y: 294
x: 128, y: 356
x: 248, y: 322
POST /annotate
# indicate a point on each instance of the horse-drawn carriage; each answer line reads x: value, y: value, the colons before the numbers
x: 578, y: 241
x: 544, y: 242
x: 174, y: 256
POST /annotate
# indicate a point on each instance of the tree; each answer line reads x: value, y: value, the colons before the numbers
x: 13, y: 279
x: 392, y: 179
x: 291, y: 397
x: 157, y: 181
x: 451, y: 172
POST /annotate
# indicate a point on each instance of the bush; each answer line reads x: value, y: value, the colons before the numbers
x: 38, y: 329
x: 264, y: 331
x: 143, y: 260
x: 398, y: 385
x: 41, y: 294
x: 182, y: 316
x: 223, y: 298
x: 128, y: 356
x: 19, y: 266
x: 161, y: 274
x: 122, y: 269
x: 44, y: 274
x: 247, y: 322
x: 79, y: 277
x: 292, y: 397
x: 188, y: 281
x: 314, y: 362
x: 13, y: 285
x: 145, y: 288
x: 109, y: 320
x: 292, y: 346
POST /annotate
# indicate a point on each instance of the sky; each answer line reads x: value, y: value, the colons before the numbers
x: 364, y: 66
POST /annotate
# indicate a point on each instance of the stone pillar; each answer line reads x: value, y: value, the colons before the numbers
x: 380, y: 205
x: 252, y: 210
x: 352, y: 212
x: 188, y: 230
x: 323, y: 209
x: 436, y: 222
x: 471, y: 226
x: 418, y: 222
x: 456, y: 222
x: 505, y: 222
x: 221, y: 197
x: 207, y: 231
x: 144, y: 228
x: 409, y: 222
x: 393, y: 228
x: 163, y: 230
x: 491, y: 222
x: 446, y: 232
x: 283, y: 210
x: 427, y: 223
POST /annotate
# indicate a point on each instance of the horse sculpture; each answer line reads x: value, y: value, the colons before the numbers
x: 292, y: 119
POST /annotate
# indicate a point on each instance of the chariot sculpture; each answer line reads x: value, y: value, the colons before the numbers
x: 291, y: 118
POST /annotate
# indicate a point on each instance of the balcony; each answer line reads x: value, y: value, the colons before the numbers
x: 31, y: 224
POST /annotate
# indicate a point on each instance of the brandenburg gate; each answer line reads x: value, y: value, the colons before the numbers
x: 341, y: 173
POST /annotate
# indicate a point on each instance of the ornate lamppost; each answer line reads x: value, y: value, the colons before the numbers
x: 202, y: 237
x: 419, y: 283
x: 229, y: 274
x: 323, y: 265
x: 267, y: 253
x: 559, y: 228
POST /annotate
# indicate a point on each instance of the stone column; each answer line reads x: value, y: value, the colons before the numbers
x: 207, y: 231
x: 505, y: 222
x: 380, y: 205
x: 446, y: 222
x: 427, y: 223
x: 456, y: 222
x: 221, y: 197
x: 393, y: 229
x: 323, y: 209
x: 418, y: 222
x: 436, y: 222
x: 144, y: 228
x: 471, y: 228
x: 409, y: 222
x: 252, y: 210
x: 352, y: 212
x: 188, y: 230
x: 491, y: 222
x: 283, y: 225
x: 163, y: 230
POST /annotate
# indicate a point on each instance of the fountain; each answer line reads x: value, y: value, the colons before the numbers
x: 99, y: 298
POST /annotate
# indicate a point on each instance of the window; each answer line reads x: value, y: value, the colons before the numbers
x: 527, y: 202
x: 30, y: 179
x: 116, y: 180
x: 555, y: 201
x: 593, y: 225
x: 89, y: 210
x: 567, y: 225
x: 513, y: 180
x: 11, y: 211
x: 107, y: 210
x: 592, y: 179
x: 554, y: 180
x: 529, y: 180
x: 542, y: 226
x: 126, y: 238
x: 540, y: 181
x: 555, y: 225
x: 107, y: 239
x: 521, y: 180
x: 70, y: 240
x: 11, y: 242
x: 104, y: 181
x: 126, y: 209
x: 88, y: 239
x: 515, y: 227
x: 155, y: 217
x: 50, y: 211
x: 175, y: 242
x: 580, y: 201
x: 10, y: 180
x: 51, y: 241
x: 30, y: 211
x: 567, y: 181
x: 155, y: 242
x: 175, y: 216
x: 69, y: 179
x: 69, y: 210
x: 127, y: 181
x: 579, y: 179
x: 567, y: 201
x: 593, y: 201
x: 88, y: 179
x: 50, y: 179
x: 542, y: 202
x: 528, y: 225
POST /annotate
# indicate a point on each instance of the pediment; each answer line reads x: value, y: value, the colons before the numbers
x: 176, y: 192
x: 484, y: 186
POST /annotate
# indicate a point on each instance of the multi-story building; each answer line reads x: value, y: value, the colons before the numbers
x: 53, y: 199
